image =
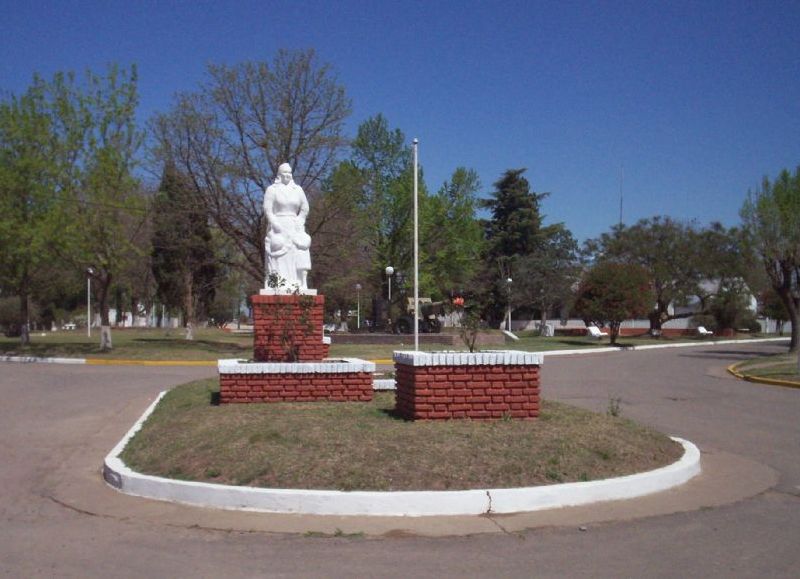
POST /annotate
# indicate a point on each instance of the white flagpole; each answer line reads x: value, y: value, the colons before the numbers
x: 416, y: 245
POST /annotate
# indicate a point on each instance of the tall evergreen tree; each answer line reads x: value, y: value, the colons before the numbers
x: 513, y: 231
x: 183, y: 254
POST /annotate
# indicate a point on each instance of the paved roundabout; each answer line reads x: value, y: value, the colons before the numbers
x: 741, y: 517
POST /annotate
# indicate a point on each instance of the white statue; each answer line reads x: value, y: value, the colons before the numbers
x: 287, y: 243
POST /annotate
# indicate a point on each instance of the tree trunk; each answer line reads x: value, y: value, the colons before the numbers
x: 792, y: 308
x: 188, y: 305
x: 543, y: 321
x: 613, y: 330
x: 24, y: 314
x: 105, y: 326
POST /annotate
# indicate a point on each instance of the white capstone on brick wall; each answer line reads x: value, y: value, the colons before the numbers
x: 486, y: 358
x: 341, y: 366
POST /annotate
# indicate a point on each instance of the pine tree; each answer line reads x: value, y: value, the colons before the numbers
x: 183, y: 254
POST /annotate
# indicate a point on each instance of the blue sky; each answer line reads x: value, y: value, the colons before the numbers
x: 696, y: 100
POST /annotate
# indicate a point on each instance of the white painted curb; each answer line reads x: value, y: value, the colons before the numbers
x: 407, y: 503
x: 36, y: 359
x: 608, y: 349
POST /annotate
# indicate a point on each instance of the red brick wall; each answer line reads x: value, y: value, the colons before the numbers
x: 340, y: 387
x: 478, y: 392
x: 285, y: 331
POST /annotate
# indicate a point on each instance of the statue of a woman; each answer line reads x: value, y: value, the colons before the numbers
x: 287, y: 243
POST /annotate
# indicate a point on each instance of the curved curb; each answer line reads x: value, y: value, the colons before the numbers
x: 758, y: 379
x: 403, y: 503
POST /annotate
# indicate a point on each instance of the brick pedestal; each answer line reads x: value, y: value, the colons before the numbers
x: 342, y: 381
x: 483, y: 385
x: 288, y: 328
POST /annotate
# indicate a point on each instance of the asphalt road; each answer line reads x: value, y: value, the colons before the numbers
x: 57, y: 519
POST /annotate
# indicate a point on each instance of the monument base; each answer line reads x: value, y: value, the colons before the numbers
x: 288, y: 328
x: 346, y: 380
x: 481, y: 385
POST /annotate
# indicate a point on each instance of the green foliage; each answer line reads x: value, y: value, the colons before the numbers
x: 28, y: 188
x: 103, y: 208
x: 539, y: 259
x: 66, y: 177
x: 515, y: 224
x: 451, y: 237
x: 773, y: 306
x: 678, y: 257
x: 771, y: 216
x: 544, y: 279
x: 384, y: 161
x: 611, y: 293
x: 470, y: 322
x: 373, y: 194
x: 729, y: 308
x: 183, y: 259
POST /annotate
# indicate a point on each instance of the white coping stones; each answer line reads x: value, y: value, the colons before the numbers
x: 485, y: 358
x: 292, y: 291
x: 384, y: 384
x: 404, y: 503
x: 339, y: 366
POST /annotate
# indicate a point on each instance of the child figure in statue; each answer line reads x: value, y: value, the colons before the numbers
x: 287, y: 244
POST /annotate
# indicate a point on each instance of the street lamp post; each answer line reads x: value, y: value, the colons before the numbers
x: 90, y: 273
x: 389, y: 272
x: 508, y: 285
x: 358, y: 306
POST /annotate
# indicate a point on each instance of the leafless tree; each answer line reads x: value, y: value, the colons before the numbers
x: 231, y: 135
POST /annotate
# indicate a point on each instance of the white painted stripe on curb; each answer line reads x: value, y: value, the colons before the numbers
x: 603, y: 350
x: 405, y: 503
x: 36, y: 359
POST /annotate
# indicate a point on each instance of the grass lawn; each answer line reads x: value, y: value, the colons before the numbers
x: 362, y: 446
x: 776, y: 367
x: 134, y: 344
x: 211, y: 344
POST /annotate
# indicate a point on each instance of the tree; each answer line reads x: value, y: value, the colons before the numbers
x: 27, y: 196
x: 231, y: 135
x: 182, y: 254
x: 677, y: 257
x: 451, y: 237
x: 68, y: 170
x: 385, y: 163
x: 104, y: 209
x: 545, y: 279
x: 340, y: 228
x: 613, y: 292
x: 513, y: 230
x: 771, y: 216
x: 773, y: 307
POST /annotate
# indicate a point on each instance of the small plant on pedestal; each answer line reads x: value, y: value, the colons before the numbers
x: 286, y: 319
x: 469, y: 322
